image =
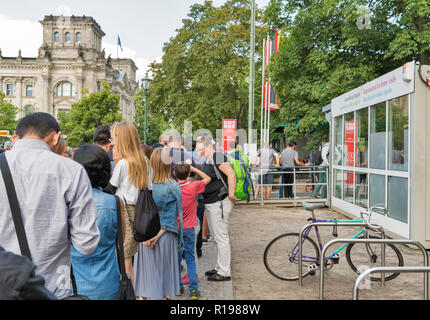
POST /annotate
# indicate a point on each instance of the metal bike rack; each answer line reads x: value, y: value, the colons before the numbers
x: 383, y: 242
x: 320, y: 224
x: 389, y: 269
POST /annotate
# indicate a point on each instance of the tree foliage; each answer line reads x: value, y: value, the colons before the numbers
x: 8, y: 114
x: 204, y: 73
x: 325, y: 54
x: 94, y: 110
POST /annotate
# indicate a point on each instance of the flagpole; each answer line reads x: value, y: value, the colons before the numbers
x: 262, y: 94
x: 251, y: 77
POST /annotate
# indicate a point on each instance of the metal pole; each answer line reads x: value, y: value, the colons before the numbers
x: 262, y: 95
x: 251, y: 75
x: 145, y: 128
x: 367, y: 272
x: 375, y: 241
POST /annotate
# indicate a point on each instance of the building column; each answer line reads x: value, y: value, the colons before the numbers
x: 47, y: 105
x: 18, y: 95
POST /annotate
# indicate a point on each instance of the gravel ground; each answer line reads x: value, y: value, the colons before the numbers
x: 252, y: 227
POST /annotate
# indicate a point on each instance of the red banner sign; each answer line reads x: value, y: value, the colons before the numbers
x: 229, y: 128
x: 350, y: 142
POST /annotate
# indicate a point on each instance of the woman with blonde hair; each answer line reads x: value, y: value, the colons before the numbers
x: 130, y: 175
x: 156, y: 266
x: 60, y: 148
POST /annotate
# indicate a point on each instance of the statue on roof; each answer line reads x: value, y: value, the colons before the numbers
x: 109, y: 62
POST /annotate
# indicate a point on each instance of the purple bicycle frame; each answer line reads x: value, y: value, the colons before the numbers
x: 306, y: 258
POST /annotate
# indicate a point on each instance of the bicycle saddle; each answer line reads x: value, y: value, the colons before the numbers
x: 312, y: 206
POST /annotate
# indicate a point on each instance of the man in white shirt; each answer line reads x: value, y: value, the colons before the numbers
x: 55, y: 200
x: 322, y: 175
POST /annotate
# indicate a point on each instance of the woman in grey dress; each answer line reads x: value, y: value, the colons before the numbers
x: 156, y: 267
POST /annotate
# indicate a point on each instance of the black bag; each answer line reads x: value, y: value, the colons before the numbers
x: 317, y: 156
x: 126, y: 290
x: 19, y: 224
x: 146, y: 224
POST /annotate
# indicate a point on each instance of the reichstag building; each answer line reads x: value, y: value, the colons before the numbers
x: 70, y: 59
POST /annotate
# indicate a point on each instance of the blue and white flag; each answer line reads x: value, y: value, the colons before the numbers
x: 119, y: 44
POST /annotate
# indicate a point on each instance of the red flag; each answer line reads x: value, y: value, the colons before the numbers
x: 272, y: 47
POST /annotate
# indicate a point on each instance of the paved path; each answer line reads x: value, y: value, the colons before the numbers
x: 209, y: 290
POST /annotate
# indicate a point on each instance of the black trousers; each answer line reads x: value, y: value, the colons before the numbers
x: 200, y: 215
x: 288, y: 178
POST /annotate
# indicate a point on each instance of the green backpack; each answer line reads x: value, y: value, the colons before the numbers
x: 240, y: 163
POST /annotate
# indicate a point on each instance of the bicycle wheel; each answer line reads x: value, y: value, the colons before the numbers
x: 366, y: 256
x: 281, y: 256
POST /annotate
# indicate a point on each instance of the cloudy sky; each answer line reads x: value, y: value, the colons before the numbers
x: 143, y: 25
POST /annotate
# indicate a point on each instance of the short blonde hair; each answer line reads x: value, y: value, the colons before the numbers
x: 161, y: 164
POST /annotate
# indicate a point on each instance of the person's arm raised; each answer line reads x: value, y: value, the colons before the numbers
x: 203, y: 175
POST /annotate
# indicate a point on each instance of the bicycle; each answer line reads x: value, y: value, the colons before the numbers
x: 281, y: 254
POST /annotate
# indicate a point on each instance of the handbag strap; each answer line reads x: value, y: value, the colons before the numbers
x: 218, y: 174
x: 119, y: 240
x: 14, y: 207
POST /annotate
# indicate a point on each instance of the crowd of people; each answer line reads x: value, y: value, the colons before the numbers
x: 270, y: 161
x: 70, y: 214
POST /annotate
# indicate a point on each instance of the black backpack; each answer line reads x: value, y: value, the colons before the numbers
x: 146, y: 223
x: 317, y: 156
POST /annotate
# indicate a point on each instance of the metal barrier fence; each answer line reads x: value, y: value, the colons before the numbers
x: 298, y: 182
x: 367, y: 272
x: 383, y: 242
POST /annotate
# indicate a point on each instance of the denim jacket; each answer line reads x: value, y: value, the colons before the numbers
x: 97, y: 274
x: 168, y: 198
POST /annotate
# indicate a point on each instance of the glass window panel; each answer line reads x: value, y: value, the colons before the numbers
x: 78, y: 37
x: 56, y: 37
x: 377, y: 190
x: 398, y: 134
x: 338, y: 184
x: 67, y: 89
x: 67, y: 37
x: 361, y: 190
x: 348, y: 186
x: 362, y: 141
x: 338, y: 141
x: 398, y: 198
x: 378, y: 131
x: 29, y: 90
x: 9, y: 90
x: 59, y: 90
x: 349, y: 138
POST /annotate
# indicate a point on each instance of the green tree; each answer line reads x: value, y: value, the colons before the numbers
x: 99, y: 108
x: 8, y: 114
x: 325, y: 54
x: 156, y: 122
x: 203, y: 76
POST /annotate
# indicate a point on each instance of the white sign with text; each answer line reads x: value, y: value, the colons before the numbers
x: 392, y: 85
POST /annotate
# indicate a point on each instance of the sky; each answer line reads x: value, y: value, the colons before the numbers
x: 143, y: 25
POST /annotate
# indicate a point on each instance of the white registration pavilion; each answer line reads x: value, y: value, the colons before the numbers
x: 380, y: 147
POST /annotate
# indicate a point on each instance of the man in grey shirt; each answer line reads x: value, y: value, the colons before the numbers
x: 55, y: 199
x: 289, y: 159
x: 266, y: 155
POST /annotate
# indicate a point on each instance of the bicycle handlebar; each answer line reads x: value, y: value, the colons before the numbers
x: 369, y: 215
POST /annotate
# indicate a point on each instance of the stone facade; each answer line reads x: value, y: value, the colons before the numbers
x: 70, y: 59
